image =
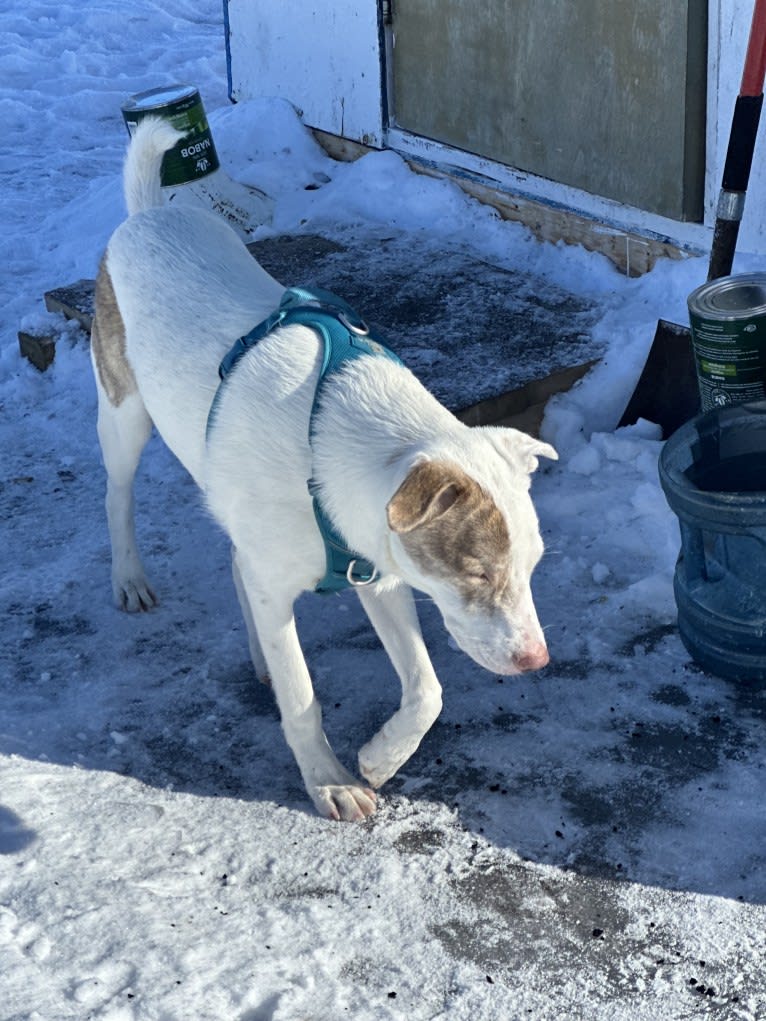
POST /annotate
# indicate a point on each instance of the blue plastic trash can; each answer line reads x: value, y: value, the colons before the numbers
x: 713, y: 473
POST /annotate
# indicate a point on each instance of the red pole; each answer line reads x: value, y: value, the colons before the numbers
x: 755, y: 58
x: 739, y: 155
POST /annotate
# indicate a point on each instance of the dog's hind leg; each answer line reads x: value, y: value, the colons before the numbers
x: 256, y: 652
x: 123, y: 433
x: 124, y: 426
x: 394, y: 617
x: 334, y: 791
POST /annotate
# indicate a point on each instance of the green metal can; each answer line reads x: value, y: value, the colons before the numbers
x: 194, y: 156
x: 728, y: 325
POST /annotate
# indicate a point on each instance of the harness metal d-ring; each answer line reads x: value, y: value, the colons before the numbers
x: 357, y: 583
x: 360, y: 327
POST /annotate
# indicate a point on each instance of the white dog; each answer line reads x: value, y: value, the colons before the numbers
x: 428, y: 501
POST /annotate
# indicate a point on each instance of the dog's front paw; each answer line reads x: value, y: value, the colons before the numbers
x: 133, y: 594
x: 343, y: 802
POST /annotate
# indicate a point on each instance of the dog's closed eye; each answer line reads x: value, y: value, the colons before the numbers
x: 480, y: 576
x: 478, y: 573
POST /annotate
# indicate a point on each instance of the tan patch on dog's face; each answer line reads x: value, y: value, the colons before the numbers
x: 452, y: 530
x: 107, y: 341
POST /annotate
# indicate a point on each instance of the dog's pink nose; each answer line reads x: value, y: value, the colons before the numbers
x: 534, y: 657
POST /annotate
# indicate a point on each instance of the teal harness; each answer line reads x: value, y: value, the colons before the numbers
x: 345, y: 336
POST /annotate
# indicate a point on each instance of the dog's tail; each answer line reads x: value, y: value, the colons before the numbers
x: 141, y: 174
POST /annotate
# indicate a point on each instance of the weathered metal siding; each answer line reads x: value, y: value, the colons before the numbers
x: 605, y: 96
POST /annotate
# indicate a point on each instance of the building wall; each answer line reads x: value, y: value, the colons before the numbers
x: 329, y: 62
x: 323, y: 58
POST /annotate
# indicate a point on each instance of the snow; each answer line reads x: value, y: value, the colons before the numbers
x: 158, y: 858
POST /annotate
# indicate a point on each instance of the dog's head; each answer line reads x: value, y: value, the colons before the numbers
x: 465, y: 532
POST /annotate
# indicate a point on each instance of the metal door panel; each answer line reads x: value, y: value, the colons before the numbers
x: 602, y: 95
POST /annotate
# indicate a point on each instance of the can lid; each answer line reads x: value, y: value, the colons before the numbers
x: 155, y: 99
x: 729, y: 298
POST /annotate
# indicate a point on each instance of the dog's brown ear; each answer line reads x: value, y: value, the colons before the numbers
x: 429, y: 490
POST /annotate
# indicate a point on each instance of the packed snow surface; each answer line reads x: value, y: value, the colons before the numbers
x: 583, y: 843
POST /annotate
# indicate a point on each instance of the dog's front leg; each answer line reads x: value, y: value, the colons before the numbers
x: 256, y: 652
x: 395, y: 619
x: 334, y: 791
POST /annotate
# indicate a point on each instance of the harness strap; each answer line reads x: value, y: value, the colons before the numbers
x: 345, y: 336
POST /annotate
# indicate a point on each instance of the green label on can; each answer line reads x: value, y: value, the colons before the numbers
x: 194, y: 156
x: 716, y: 369
x: 731, y: 360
